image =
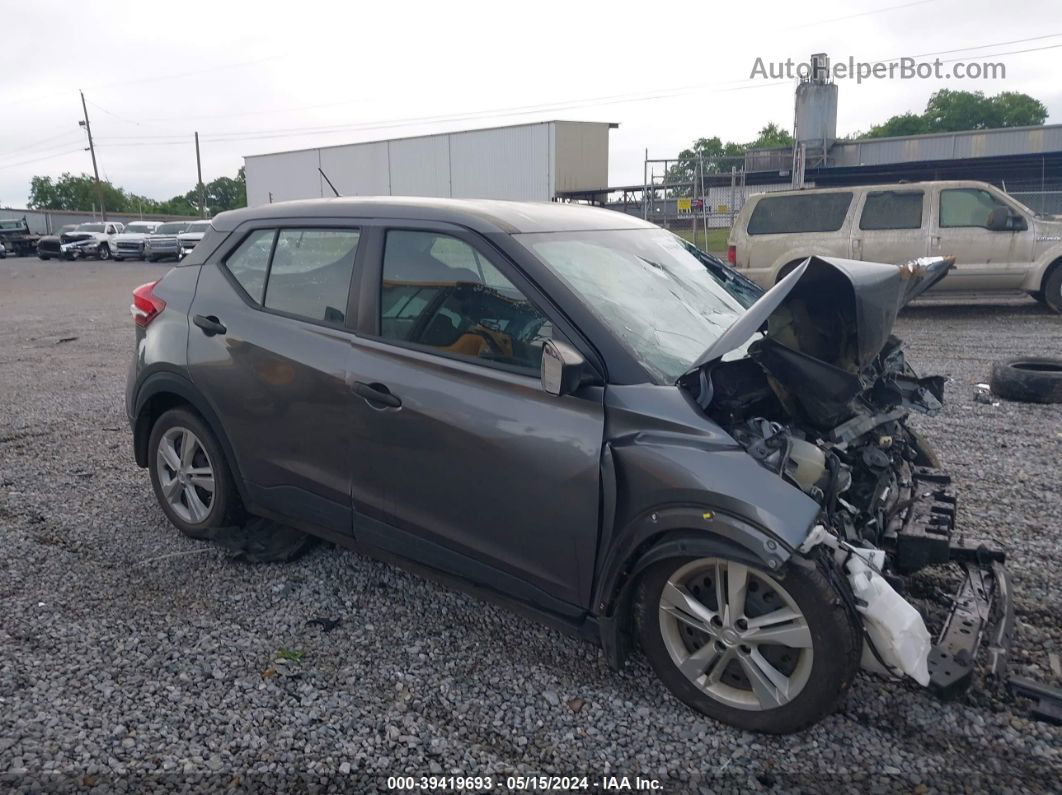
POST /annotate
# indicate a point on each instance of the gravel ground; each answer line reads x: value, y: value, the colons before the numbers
x: 135, y: 659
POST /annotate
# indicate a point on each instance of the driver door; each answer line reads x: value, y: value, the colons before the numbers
x: 985, y: 259
x: 461, y: 460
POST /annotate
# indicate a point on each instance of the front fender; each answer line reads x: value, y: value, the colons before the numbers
x: 666, y: 535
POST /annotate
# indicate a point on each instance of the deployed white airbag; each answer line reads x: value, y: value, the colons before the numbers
x: 893, y: 625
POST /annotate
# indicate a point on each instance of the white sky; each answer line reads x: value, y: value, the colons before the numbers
x: 238, y: 71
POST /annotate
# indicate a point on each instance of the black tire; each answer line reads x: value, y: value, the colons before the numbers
x: 836, y: 646
x: 1028, y: 380
x: 43, y: 257
x: 225, y: 508
x: 103, y: 252
x: 1052, y: 295
x: 119, y: 259
x: 152, y: 259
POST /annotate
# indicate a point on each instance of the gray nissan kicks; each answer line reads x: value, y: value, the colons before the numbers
x: 579, y: 414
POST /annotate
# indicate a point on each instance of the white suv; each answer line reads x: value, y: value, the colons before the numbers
x: 998, y: 243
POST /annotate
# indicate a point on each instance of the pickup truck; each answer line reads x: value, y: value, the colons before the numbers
x: 93, y: 239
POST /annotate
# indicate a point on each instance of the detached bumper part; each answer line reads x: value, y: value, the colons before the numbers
x: 983, y: 594
x: 981, y: 608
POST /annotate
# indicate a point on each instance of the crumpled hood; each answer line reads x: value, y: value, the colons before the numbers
x: 839, y: 311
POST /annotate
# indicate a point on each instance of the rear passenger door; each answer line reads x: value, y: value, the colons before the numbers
x: 268, y: 349
x: 461, y: 460
x: 893, y: 226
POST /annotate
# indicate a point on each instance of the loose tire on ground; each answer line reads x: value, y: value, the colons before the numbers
x: 1028, y: 380
x: 817, y: 672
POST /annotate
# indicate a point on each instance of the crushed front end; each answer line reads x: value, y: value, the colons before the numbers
x: 822, y: 398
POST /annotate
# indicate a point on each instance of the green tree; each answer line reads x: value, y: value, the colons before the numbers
x: 953, y: 111
x: 71, y: 192
x: 718, y: 157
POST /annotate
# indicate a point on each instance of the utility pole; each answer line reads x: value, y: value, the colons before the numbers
x: 199, y: 171
x: 92, y: 149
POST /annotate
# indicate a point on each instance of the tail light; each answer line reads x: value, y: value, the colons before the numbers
x: 146, y: 305
x: 731, y: 255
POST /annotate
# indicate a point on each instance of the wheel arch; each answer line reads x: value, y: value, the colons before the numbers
x: 673, y: 532
x: 788, y: 268
x: 162, y: 391
x: 1049, y: 269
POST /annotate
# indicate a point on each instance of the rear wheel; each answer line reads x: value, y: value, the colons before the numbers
x: 189, y: 475
x: 757, y: 650
x: 196, y: 491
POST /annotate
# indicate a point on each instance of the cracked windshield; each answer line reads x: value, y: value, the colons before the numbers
x: 649, y: 286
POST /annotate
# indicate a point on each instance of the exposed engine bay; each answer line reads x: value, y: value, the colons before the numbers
x: 822, y: 400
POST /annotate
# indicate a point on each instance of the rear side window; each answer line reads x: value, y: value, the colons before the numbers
x: 814, y: 212
x: 438, y: 291
x: 890, y: 209
x: 250, y: 262
x: 310, y: 273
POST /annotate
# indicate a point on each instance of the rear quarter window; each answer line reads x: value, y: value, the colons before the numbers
x: 814, y: 212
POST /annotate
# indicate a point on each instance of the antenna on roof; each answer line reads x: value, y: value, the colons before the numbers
x: 326, y: 179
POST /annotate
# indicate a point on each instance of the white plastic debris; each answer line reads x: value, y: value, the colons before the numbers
x: 894, y: 626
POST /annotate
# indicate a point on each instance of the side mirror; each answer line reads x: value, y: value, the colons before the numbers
x: 1003, y: 219
x: 563, y: 368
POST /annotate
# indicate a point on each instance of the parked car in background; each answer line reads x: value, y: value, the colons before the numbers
x: 998, y: 243
x: 130, y: 243
x: 187, y: 239
x: 93, y: 239
x: 163, y: 243
x: 51, y: 245
x: 576, y: 411
x: 16, y: 238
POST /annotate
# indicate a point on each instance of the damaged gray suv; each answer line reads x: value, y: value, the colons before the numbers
x: 581, y: 415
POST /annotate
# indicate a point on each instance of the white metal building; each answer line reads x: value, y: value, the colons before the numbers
x: 529, y: 162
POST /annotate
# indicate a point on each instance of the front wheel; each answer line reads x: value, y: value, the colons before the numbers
x: 104, y: 252
x: 760, y: 651
x: 1053, y: 289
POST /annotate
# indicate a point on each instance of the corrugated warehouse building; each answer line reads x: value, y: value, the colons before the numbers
x: 528, y: 162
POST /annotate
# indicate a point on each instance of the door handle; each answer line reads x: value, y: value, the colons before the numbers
x: 210, y: 325
x: 377, y: 395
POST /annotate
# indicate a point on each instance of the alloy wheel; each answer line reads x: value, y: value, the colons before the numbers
x: 736, y: 634
x: 186, y: 475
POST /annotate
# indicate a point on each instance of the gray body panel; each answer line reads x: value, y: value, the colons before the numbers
x: 479, y: 473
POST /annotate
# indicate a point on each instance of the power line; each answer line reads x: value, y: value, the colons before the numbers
x: 820, y: 22
x: 39, y: 159
x: 521, y: 110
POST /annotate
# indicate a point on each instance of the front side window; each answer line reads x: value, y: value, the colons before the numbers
x: 438, y: 291
x: 648, y: 287
x: 812, y: 212
x: 891, y: 209
x: 967, y: 207
x: 310, y: 273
